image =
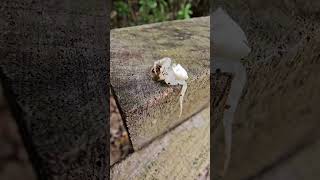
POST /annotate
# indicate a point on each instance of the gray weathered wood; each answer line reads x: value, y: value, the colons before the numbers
x: 221, y: 83
x: 2, y: 98
x: 53, y: 60
x: 278, y: 111
x: 302, y: 165
x: 182, y: 153
x: 14, y: 162
x: 151, y: 108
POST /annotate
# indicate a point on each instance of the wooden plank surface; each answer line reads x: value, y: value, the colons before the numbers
x: 302, y: 165
x: 182, y: 153
x: 272, y: 123
x: 14, y: 160
x: 278, y: 111
x: 120, y: 145
x: 221, y: 83
x: 53, y: 64
x: 151, y: 108
x: 3, y: 102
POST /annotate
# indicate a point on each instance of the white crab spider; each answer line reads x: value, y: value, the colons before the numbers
x: 230, y: 45
x: 173, y: 74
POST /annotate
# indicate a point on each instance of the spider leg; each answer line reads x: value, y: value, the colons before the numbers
x: 237, y: 86
x: 182, y: 93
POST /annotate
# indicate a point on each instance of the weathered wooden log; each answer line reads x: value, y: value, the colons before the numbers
x: 278, y: 111
x: 3, y: 102
x: 303, y: 164
x: 182, y: 153
x: 220, y: 86
x: 151, y: 108
x: 53, y: 63
x: 14, y: 162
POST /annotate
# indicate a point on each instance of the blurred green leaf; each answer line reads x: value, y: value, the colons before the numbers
x: 150, y: 11
x: 122, y: 8
x: 184, y: 12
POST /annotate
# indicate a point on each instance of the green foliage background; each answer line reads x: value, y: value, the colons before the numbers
x: 136, y: 12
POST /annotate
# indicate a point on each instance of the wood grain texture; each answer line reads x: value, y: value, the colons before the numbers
x: 53, y: 63
x: 302, y: 165
x: 182, y: 153
x: 221, y: 83
x: 278, y: 111
x: 3, y: 102
x: 14, y: 162
x: 120, y: 145
x: 151, y: 108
